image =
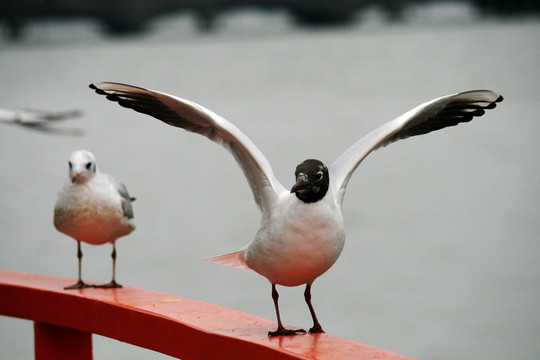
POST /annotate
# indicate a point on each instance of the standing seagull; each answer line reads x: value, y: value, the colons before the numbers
x: 93, y: 207
x: 301, y: 233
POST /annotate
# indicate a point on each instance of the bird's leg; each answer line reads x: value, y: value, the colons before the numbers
x: 281, y: 330
x: 317, y: 328
x: 79, y: 284
x: 113, y: 283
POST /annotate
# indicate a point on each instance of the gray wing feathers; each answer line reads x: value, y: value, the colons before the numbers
x: 431, y: 116
x: 125, y: 198
x: 444, y: 112
x: 192, y: 117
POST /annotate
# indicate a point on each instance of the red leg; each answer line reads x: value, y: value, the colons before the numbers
x: 317, y: 328
x: 281, y: 330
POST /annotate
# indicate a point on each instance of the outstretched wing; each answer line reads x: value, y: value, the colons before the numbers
x: 433, y: 115
x: 193, y: 117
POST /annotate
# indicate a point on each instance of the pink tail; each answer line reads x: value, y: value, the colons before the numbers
x: 235, y: 259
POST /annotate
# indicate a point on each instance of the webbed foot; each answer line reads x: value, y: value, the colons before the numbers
x: 282, y: 331
x: 316, y: 329
x: 78, y: 285
x: 111, y: 285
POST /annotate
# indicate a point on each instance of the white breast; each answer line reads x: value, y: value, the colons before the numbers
x: 297, y: 242
x: 91, y: 212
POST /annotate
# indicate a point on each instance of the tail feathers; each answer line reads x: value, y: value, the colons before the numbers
x: 235, y: 259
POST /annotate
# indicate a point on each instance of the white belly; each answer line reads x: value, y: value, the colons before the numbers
x: 95, y: 226
x: 299, y: 243
x: 94, y: 217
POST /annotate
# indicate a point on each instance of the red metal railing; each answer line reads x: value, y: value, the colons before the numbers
x: 64, y: 322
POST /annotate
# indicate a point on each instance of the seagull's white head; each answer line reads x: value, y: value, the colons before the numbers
x: 312, y: 181
x: 82, y: 166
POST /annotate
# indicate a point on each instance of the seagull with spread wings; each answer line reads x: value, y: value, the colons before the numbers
x: 301, y: 233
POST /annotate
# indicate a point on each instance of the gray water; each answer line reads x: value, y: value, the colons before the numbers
x: 442, y: 253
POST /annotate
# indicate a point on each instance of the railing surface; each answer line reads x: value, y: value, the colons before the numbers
x: 172, y: 325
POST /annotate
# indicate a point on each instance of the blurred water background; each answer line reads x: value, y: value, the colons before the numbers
x: 442, y: 253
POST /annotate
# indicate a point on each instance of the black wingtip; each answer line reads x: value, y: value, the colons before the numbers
x: 478, y: 112
x: 97, y: 90
x: 494, y: 104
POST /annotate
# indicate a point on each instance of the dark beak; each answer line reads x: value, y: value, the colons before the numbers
x: 301, y: 183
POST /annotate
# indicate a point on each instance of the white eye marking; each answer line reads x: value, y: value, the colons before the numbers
x: 319, y: 175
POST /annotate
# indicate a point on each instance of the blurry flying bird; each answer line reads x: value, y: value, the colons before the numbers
x: 39, y: 120
x: 301, y: 233
x: 94, y: 208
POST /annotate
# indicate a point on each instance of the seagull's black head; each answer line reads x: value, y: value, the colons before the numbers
x: 311, y: 181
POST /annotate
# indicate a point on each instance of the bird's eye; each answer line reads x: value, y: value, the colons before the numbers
x: 88, y: 165
x: 319, y: 175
